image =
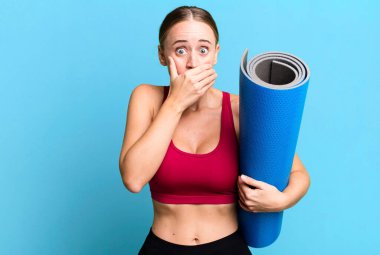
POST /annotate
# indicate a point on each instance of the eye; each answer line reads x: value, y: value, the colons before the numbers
x: 180, y: 51
x: 204, y: 50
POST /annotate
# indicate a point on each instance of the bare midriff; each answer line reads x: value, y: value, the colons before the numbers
x: 193, y: 224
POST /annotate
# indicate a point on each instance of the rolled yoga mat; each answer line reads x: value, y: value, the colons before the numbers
x: 272, y: 91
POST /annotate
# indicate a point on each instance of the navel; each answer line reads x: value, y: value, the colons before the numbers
x: 196, y: 240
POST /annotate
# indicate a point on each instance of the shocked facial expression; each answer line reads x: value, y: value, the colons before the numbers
x: 190, y: 43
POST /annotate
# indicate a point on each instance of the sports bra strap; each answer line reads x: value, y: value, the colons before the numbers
x: 166, y: 91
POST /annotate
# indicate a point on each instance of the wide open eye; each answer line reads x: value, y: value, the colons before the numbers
x: 204, y: 50
x: 180, y: 51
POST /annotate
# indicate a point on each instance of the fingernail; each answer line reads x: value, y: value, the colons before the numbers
x: 243, y: 176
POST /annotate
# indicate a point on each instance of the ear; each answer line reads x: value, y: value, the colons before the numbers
x: 161, y: 56
x: 217, y: 48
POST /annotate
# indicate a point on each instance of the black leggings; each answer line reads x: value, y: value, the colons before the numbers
x: 232, y: 244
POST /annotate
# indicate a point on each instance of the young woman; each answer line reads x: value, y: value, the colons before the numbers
x: 183, y: 139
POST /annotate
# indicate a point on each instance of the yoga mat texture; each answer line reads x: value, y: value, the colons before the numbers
x: 272, y: 90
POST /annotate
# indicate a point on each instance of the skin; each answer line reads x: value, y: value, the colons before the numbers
x: 191, y: 114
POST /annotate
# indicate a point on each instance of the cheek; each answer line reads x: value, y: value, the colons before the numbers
x: 212, y: 58
x: 209, y: 59
x: 180, y: 64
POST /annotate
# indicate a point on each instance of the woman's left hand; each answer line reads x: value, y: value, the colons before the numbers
x: 263, y: 197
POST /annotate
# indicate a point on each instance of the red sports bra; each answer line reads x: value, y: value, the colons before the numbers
x: 209, y: 178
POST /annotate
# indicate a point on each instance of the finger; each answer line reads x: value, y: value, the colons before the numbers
x: 241, y: 193
x: 244, y: 199
x: 241, y: 204
x: 252, y: 182
x: 203, y: 75
x: 249, y: 208
x: 206, y: 83
x: 240, y: 180
x: 243, y: 186
x: 205, y: 88
x: 250, y: 195
x: 172, y: 69
x: 199, y: 69
x: 247, y: 191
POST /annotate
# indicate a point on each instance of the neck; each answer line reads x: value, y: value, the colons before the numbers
x: 207, y: 100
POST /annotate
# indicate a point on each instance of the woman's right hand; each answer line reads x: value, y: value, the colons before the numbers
x: 187, y: 88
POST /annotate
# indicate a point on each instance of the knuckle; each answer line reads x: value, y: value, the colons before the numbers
x: 254, y: 195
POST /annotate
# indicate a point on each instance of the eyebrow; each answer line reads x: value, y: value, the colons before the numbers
x: 200, y: 40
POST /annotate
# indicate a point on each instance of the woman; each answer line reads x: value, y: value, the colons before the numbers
x: 182, y: 139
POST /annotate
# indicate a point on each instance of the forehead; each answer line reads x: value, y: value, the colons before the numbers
x: 190, y: 30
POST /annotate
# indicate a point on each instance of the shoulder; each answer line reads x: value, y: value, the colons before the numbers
x: 149, y: 95
x: 235, y: 100
x: 235, y: 112
x: 147, y: 90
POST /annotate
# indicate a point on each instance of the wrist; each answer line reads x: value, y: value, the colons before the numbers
x: 284, y: 202
x: 174, y: 106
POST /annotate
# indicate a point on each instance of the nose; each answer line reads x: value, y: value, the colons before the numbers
x: 192, y: 60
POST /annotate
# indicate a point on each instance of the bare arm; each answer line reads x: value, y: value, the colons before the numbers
x: 299, y: 183
x: 267, y: 198
x: 145, y: 141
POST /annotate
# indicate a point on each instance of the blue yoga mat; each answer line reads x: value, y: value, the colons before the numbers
x: 272, y: 90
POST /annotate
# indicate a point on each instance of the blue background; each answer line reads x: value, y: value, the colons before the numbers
x: 67, y: 69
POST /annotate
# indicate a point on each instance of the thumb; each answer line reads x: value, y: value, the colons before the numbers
x: 252, y: 182
x: 172, y: 69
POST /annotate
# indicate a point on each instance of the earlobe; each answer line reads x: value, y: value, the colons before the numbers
x: 216, y: 54
x: 161, y: 56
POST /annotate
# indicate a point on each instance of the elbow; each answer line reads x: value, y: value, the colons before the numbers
x: 132, y: 187
x: 307, y: 184
x: 132, y: 184
x: 309, y: 181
